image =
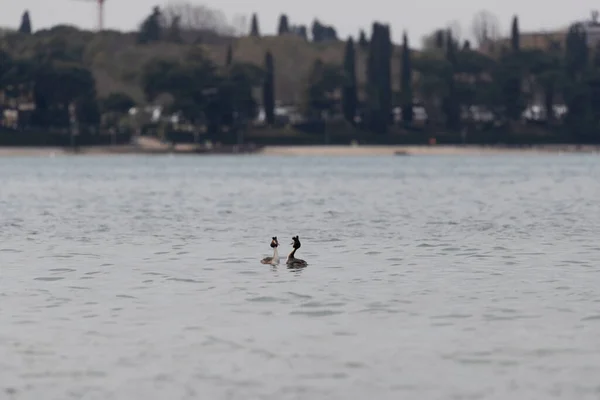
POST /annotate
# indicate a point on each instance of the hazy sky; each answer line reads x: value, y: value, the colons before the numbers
x: 416, y: 17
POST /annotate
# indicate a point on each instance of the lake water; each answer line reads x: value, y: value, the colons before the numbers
x: 429, y: 278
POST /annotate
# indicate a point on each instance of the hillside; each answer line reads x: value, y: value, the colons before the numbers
x: 116, y: 60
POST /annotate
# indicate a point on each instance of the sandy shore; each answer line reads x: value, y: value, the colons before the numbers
x: 421, y: 150
x: 312, y: 150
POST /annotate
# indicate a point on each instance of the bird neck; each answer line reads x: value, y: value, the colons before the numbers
x: 292, y: 253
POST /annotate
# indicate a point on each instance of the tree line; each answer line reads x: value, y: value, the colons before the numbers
x: 451, y: 80
x: 454, y: 78
x: 458, y: 85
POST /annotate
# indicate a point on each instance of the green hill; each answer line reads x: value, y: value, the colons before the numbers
x: 116, y: 59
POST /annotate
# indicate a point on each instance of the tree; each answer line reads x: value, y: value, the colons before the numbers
x: 593, y: 83
x: 435, y: 41
x: 456, y: 31
x: 58, y: 49
x: 243, y: 78
x: 515, y: 35
x: 87, y: 111
x: 324, y: 80
x: 269, y: 89
x: 451, y: 101
x: 25, y: 24
x: 5, y: 66
x: 229, y: 56
x: 349, y: 93
x: 254, y: 30
x: 151, y: 30
x: 174, y: 31
x: 322, y: 33
x: 580, y: 84
x: 545, y: 67
x: 432, y: 83
x: 284, y: 27
x: 508, y: 77
x: 16, y: 80
x: 203, y: 93
x: 119, y: 103
x: 472, y: 85
x: 362, y: 40
x: 406, y: 82
x: 157, y: 77
x: 379, y: 88
x: 440, y: 39
x: 485, y: 28
x: 386, y: 75
x: 576, y: 52
x: 299, y: 30
x: 196, y: 20
x: 60, y: 85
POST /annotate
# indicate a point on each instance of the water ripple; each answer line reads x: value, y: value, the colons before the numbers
x: 428, y: 277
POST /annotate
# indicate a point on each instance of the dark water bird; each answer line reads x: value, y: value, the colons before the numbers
x: 292, y: 261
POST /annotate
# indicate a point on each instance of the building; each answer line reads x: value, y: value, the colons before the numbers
x: 592, y: 30
x: 545, y: 39
x: 541, y: 40
x: 17, y: 104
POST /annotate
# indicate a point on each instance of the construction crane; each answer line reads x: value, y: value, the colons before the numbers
x: 100, y: 12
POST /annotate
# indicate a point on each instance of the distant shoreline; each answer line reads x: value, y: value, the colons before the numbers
x: 414, y: 150
x: 319, y: 150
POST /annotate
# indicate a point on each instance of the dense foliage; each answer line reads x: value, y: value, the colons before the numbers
x: 460, y: 88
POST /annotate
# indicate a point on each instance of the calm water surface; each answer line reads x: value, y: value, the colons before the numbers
x: 428, y: 278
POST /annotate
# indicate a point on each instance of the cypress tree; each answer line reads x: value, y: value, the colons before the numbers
x: 439, y: 39
x: 254, y: 30
x: 371, y: 59
x: 576, y: 52
x: 578, y: 94
x: 452, y: 105
x: 303, y: 32
x: 362, y: 40
x: 269, y: 89
x: 386, y: 77
x: 317, y: 31
x: 349, y: 95
x: 229, y: 56
x: 284, y: 26
x: 379, y: 88
x: 515, y: 35
x: 151, y: 30
x: 450, y: 49
x: 373, y: 104
x: 513, y: 71
x: 406, y: 82
x: 25, y: 24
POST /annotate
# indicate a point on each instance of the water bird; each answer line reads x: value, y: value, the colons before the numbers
x: 275, y: 259
x: 292, y: 261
